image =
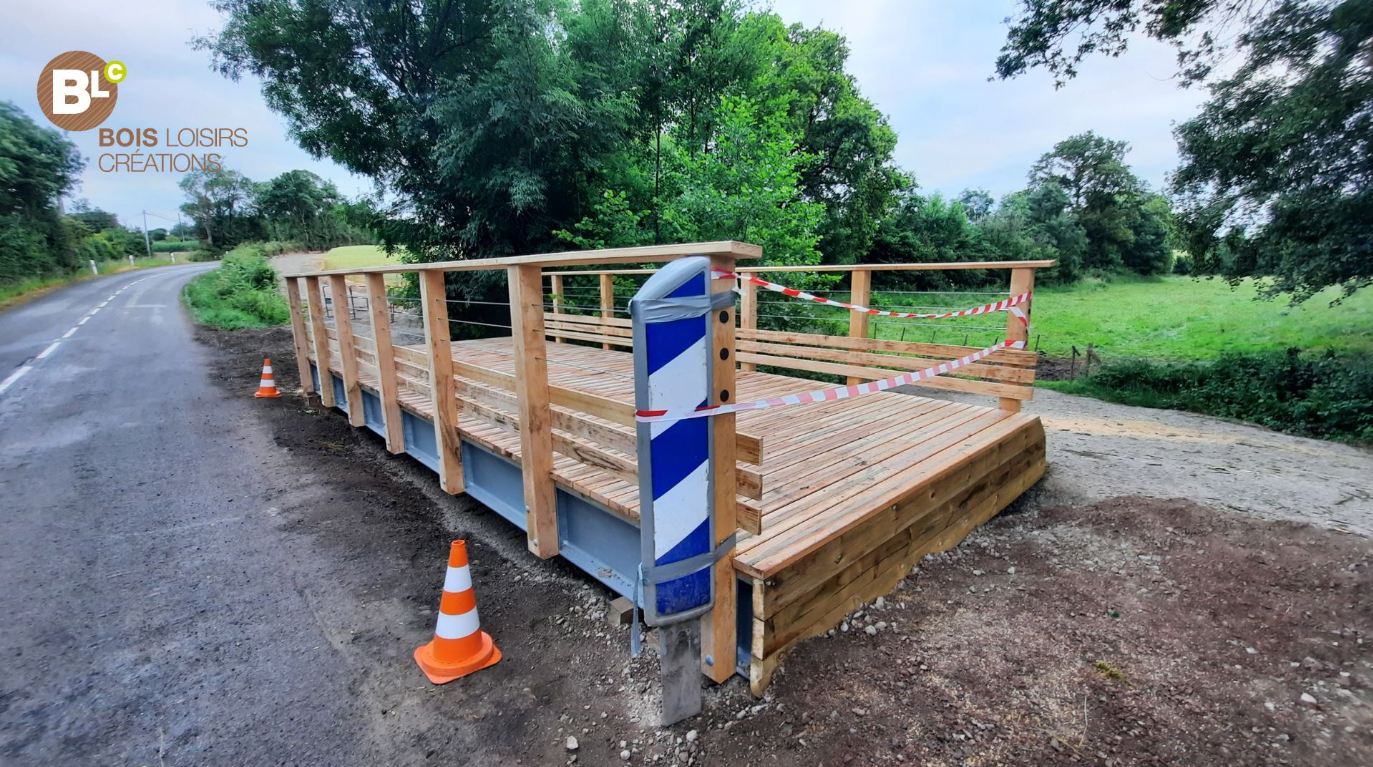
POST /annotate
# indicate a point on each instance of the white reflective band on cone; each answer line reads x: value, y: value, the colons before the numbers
x: 457, y: 579
x: 458, y: 626
x: 267, y: 370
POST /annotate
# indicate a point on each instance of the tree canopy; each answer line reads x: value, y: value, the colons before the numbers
x: 498, y: 123
x: 37, y: 166
x: 298, y: 207
x: 1276, y: 170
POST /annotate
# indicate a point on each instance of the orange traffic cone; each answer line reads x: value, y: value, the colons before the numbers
x: 268, y: 386
x: 459, y: 647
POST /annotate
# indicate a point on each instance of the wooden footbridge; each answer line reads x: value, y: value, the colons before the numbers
x: 835, y: 500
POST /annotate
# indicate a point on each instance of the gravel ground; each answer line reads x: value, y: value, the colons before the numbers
x: 1098, y: 450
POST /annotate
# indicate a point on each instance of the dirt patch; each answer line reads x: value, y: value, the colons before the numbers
x: 1058, y: 368
x: 377, y: 521
x: 1130, y: 631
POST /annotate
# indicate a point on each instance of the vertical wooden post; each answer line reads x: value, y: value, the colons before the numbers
x: 386, y: 363
x: 298, y: 333
x: 536, y: 418
x: 860, y: 292
x: 718, y: 628
x: 607, y: 301
x: 326, y: 381
x: 439, y: 342
x: 347, y: 350
x: 557, y: 288
x: 1022, y: 281
x: 748, y: 315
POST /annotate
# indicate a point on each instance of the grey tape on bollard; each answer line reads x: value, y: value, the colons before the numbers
x: 684, y: 308
x: 685, y: 567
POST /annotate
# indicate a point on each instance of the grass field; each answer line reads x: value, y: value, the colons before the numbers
x: 1185, y: 319
x: 1169, y: 318
x: 353, y: 256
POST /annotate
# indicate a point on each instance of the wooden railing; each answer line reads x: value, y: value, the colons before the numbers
x: 428, y: 380
x: 1007, y: 375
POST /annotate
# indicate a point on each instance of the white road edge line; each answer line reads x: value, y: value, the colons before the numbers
x: 15, y: 376
x: 26, y: 367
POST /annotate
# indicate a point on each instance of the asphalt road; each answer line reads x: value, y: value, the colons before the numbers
x: 147, y: 601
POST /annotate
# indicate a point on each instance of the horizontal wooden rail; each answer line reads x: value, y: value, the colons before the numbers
x: 748, y: 448
x: 640, y: 255
x: 586, y: 441
x: 914, y: 267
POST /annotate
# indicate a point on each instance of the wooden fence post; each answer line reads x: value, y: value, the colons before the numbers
x: 860, y: 292
x: 298, y: 334
x: 557, y: 288
x: 748, y: 315
x: 536, y: 417
x: 607, y: 301
x: 718, y: 628
x: 1022, y: 281
x: 321, y: 333
x: 439, y: 342
x: 386, y: 364
x: 347, y: 350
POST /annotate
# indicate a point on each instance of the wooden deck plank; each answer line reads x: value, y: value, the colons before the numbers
x: 827, y: 467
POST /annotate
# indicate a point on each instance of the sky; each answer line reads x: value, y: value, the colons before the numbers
x: 923, y: 63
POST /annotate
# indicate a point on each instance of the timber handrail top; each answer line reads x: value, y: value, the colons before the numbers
x: 846, y: 268
x: 647, y: 253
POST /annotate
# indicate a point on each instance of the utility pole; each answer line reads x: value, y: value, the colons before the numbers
x: 147, y: 243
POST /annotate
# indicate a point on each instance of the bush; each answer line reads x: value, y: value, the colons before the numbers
x: 1328, y: 396
x: 241, y: 293
x: 261, y: 249
x: 170, y: 245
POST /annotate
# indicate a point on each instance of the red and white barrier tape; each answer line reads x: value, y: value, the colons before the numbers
x: 995, y: 306
x: 842, y: 392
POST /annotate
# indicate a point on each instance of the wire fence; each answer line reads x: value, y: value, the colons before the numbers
x: 582, y: 296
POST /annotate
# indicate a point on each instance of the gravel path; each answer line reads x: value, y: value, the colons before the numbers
x: 1100, y: 450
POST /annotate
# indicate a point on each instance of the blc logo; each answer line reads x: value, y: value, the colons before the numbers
x: 77, y: 90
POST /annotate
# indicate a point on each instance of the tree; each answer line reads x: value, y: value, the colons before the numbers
x: 37, y: 166
x: 1107, y: 201
x: 300, y: 207
x: 496, y: 123
x: 848, y: 144
x: 977, y: 204
x: 1088, y: 168
x: 222, y: 203
x: 465, y: 109
x: 927, y: 229
x: 95, y: 218
x: 1035, y: 225
x: 1276, y: 169
x: 1044, y: 33
x: 1279, y: 164
x: 746, y: 188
